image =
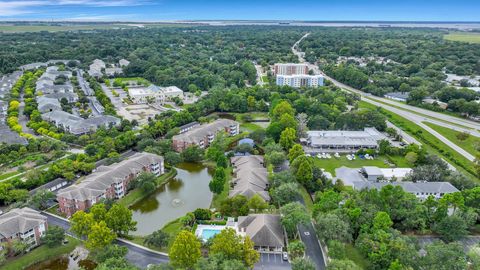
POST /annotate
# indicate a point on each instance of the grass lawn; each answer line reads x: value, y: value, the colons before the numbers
x: 217, y: 198
x: 354, y: 255
x: 399, y: 161
x: 139, y: 80
x: 250, y: 127
x: 135, y: 195
x: 40, y: 254
x: 265, y: 79
x: 432, y: 144
x: 468, y: 145
x: 307, y: 199
x: 6, y: 175
x: 331, y: 164
x: 463, y: 37
x: 172, y: 228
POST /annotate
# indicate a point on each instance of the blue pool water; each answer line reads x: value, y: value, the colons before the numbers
x: 209, y: 233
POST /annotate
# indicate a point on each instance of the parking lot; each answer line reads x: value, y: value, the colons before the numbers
x: 272, y: 262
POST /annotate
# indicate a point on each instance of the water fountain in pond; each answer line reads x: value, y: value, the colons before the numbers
x: 177, y: 202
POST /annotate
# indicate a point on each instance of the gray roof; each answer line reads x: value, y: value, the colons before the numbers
x: 251, y: 177
x: 410, y: 187
x: 95, y: 184
x: 77, y: 125
x: 10, y: 137
x: 367, y: 137
x: 46, y: 104
x: 71, y: 97
x: 399, y: 95
x: 372, y: 170
x: 264, y: 229
x: 198, y: 133
x: 20, y: 220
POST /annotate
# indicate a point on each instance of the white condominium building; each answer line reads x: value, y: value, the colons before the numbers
x: 300, y: 80
x: 290, y: 69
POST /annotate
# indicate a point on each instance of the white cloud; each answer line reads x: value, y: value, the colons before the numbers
x: 101, y: 3
x: 12, y: 8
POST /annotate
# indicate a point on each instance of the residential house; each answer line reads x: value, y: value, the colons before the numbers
x: 23, y: 224
x: 203, y: 135
x: 46, y: 104
x: 77, y: 125
x: 265, y: 230
x: 107, y: 182
x: 250, y: 177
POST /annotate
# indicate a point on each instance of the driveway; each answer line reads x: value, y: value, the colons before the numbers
x: 348, y: 175
x: 272, y: 262
x: 136, y: 255
x: 312, y: 246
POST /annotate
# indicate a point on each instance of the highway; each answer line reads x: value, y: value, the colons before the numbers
x: 411, y: 113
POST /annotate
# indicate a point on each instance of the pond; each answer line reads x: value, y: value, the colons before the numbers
x: 187, y: 192
x: 63, y: 263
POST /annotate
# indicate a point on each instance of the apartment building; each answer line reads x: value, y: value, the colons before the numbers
x: 290, y: 69
x: 250, y: 177
x: 107, y: 182
x: 203, y: 135
x: 298, y: 81
x: 23, y: 224
x: 421, y: 190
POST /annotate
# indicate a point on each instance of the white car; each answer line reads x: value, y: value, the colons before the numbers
x: 285, y: 256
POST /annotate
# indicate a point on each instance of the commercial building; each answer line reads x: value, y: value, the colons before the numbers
x: 23, y: 224
x: 422, y: 190
x: 398, y: 96
x: 373, y: 173
x: 290, y: 69
x: 107, y: 182
x: 297, y: 81
x: 154, y: 94
x: 77, y: 125
x: 342, y: 140
x: 203, y: 135
x: 250, y: 177
x: 265, y: 230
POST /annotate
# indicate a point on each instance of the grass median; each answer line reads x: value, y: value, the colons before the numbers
x: 469, y: 144
x: 430, y: 142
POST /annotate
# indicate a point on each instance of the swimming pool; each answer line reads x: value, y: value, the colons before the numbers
x: 209, y: 233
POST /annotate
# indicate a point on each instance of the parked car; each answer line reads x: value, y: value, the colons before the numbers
x: 285, y: 256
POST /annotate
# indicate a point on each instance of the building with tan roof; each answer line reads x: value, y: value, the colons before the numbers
x: 250, y: 177
x: 265, y: 230
x: 24, y: 224
x: 107, y: 182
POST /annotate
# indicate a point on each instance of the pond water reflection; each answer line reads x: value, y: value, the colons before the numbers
x: 187, y: 192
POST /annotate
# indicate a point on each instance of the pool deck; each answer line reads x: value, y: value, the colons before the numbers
x: 201, y: 227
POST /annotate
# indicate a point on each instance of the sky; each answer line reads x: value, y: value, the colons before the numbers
x: 171, y: 10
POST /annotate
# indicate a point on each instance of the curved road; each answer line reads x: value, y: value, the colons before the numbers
x: 407, y: 111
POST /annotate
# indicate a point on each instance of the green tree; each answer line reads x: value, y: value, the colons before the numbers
x: 185, y: 250
x: 157, y: 239
x: 250, y: 255
x: 54, y: 236
x: 343, y: 264
x: 293, y: 214
x: 228, y: 243
x: 119, y: 219
x: 192, y: 154
x: 19, y: 247
x: 116, y: 264
x: 99, y: 236
x: 332, y: 227
x: 302, y: 264
x: 257, y: 203
x: 218, y: 181
x: 296, y: 249
x: 442, y: 256
x: 286, y: 193
x: 451, y: 228
x: 474, y: 257
x: 287, y: 138
x: 41, y: 197
x: 295, y: 151
x: 81, y: 223
x: 146, y: 182
x: 110, y: 251
x: 234, y: 206
x: 282, y: 108
x: 304, y: 174
x: 98, y: 211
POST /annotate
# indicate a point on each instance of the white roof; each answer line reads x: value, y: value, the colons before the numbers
x: 395, y: 172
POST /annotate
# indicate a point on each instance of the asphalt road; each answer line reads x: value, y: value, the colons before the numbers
x: 137, y: 256
x: 411, y: 113
x: 312, y: 246
x: 272, y: 262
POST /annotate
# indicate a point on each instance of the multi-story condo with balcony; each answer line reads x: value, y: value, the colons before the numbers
x: 290, y: 69
x: 23, y: 224
x: 300, y: 80
x: 203, y: 135
x: 107, y: 182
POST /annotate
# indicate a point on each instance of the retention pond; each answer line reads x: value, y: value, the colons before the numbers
x: 185, y: 193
